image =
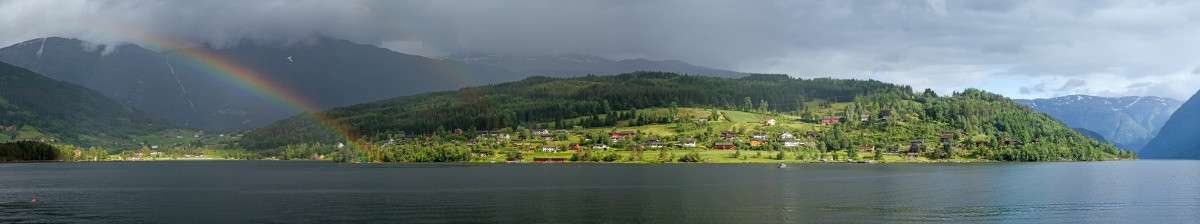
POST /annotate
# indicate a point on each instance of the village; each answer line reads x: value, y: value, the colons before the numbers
x: 730, y: 137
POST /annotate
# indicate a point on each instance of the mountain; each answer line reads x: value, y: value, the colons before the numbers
x: 1129, y: 122
x: 979, y: 124
x: 36, y: 108
x: 1180, y: 137
x: 1092, y: 134
x: 573, y: 65
x: 191, y: 91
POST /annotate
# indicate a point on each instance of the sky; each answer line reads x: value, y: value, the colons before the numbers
x: 1022, y: 49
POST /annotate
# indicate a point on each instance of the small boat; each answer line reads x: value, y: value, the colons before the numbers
x: 782, y: 165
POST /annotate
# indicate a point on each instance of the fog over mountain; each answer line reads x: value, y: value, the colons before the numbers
x: 324, y: 72
x: 1022, y: 49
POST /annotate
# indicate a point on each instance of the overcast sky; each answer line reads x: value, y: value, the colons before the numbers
x: 1023, y: 49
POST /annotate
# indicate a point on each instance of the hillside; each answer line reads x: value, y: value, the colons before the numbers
x: 1129, y: 122
x: 37, y: 108
x: 573, y: 65
x: 973, y: 124
x: 173, y: 85
x: 1180, y: 137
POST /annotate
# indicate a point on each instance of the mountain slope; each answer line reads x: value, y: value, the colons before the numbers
x: 984, y: 119
x: 1129, y: 122
x: 574, y: 65
x: 1180, y: 137
x: 173, y: 86
x: 33, y: 107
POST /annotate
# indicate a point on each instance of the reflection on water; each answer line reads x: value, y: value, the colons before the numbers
x: 1127, y: 191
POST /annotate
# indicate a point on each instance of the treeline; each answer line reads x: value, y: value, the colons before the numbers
x: 538, y: 100
x: 27, y: 151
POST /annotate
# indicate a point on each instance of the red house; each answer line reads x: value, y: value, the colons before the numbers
x: 622, y: 134
x: 724, y: 146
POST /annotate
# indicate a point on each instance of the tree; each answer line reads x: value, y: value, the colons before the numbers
x: 747, y: 104
x: 762, y: 106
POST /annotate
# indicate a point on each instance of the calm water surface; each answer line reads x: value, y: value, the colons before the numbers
x: 1149, y: 191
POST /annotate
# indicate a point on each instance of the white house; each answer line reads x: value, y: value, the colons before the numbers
x: 791, y: 143
x: 541, y: 131
x: 762, y: 135
x: 787, y: 135
x: 599, y: 146
x: 689, y: 143
x: 549, y: 148
x: 769, y: 122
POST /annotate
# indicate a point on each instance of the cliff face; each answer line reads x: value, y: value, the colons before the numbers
x: 1180, y: 137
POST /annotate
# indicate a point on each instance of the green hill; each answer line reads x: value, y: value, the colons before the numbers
x: 979, y: 125
x: 36, y: 108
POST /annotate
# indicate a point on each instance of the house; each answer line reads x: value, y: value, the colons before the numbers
x: 549, y: 160
x: 458, y: 131
x: 791, y: 143
x: 787, y: 135
x: 866, y: 148
x: 622, y: 134
x: 561, y: 132
x: 893, y: 149
x: 689, y: 143
x: 703, y: 119
x: 916, y: 146
x: 549, y: 148
x: 573, y: 146
x: 757, y: 142
x: 724, y: 146
x: 762, y: 135
x: 541, y: 131
x: 728, y: 135
x: 499, y: 134
x: 618, y: 135
x: 657, y: 144
x: 769, y: 122
x: 913, y: 155
x: 1012, y: 142
x: 600, y: 146
x: 547, y: 137
x: 813, y: 134
x: 947, y: 136
x: 828, y: 120
x: 886, y: 115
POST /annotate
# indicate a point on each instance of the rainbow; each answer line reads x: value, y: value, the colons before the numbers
x: 235, y: 74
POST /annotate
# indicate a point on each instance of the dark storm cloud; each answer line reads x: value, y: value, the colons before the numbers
x: 999, y: 46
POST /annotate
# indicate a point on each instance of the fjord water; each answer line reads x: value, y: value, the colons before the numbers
x: 1148, y: 191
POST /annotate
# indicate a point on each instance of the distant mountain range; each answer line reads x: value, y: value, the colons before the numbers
x: 1180, y: 137
x: 328, y: 72
x: 36, y: 108
x: 574, y: 65
x: 1129, y: 122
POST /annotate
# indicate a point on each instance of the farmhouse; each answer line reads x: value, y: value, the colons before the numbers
x: 724, y: 146
x: 757, y: 141
x: 728, y: 135
x: 791, y: 143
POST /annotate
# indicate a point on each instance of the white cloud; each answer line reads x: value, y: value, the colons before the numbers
x: 1000, y: 45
